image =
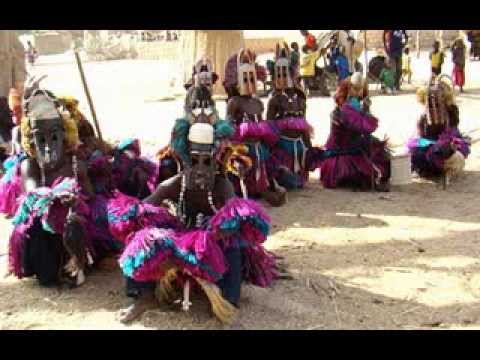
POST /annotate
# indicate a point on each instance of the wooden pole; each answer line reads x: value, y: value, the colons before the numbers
x: 418, y: 44
x: 87, y: 92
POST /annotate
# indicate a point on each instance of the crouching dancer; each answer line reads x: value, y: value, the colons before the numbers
x: 353, y: 157
x: 214, y: 243
x: 439, y: 148
x: 287, y: 109
x: 50, y: 239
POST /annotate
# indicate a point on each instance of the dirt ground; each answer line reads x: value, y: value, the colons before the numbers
x: 408, y: 259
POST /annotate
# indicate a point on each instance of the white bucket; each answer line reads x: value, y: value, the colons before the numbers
x: 401, y: 166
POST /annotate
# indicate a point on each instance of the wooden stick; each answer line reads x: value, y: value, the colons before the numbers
x: 418, y: 44
x: 87, y: 92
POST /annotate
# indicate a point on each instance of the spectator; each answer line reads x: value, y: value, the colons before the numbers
x: 295, y: 59
x: 31, y: 53
x: 406, y: 65
x: 394, y: 42
x: 308, y: 65
x: 436, y: 58
x: 310, y: 41
x: 387, y: 77
x: 458, y: 59
x: 341, y: 64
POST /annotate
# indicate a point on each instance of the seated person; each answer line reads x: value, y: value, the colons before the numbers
x: 439, y: 148
x: 353, y: 157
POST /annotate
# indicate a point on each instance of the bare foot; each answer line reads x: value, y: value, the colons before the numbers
x: 143, y: 303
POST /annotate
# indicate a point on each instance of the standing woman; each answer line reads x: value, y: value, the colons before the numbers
x: 458, y: 59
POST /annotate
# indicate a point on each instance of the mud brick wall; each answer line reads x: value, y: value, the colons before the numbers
x: 52, y: 43
x: 170, y: 51
x: 166, y: 51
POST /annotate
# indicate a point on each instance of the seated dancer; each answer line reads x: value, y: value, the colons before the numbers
x: 89, y: 142
x: 439, y: 149
x: 286, y: 110
x: 245, y: 112
x: 50, y: 239
x: 203, y: 74
x: 10, y: 183
x: 203, y: 77
x: 353, y: 157
x: 133, y: 174
x: 215, y: 243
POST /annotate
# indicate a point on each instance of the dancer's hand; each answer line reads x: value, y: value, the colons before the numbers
x: 68, y: 200
x: 336, y: 117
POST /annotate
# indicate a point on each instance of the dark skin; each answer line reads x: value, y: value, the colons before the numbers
x: 236, y: 109
x: 279, y: 106
x: 197, y: 201
x: 239, y: 105
x: 31, y: 175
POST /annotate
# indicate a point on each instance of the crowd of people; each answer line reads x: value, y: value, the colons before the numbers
x: 190, y: 219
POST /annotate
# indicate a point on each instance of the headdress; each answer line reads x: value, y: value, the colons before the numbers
x: 284, y: 72
x: 241, y: 73
x: 201, y: 137
x: 436, y: 97
x: 343, y: 89
x: 42, y: 104
x: 203, y: 73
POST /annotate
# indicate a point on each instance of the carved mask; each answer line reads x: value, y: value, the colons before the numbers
x: 200, y: 174
x: 48, y: 133
x: 200, y: 106
x: 48, y: 139
x: 283, y: 79
x: 247, y: 73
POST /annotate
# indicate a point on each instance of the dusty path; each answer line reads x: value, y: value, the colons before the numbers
x: 407, y: 259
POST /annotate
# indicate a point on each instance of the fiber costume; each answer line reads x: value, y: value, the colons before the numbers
x: 215, y: 242
x: 57, y: 232
x: 286, y: 112
x: 245, y: 112
x: 353, y: 156
x: 50, y: 237
x: 199, y: 89
x: 439, y: 147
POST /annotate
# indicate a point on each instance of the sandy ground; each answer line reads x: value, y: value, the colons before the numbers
x: 405, y: 260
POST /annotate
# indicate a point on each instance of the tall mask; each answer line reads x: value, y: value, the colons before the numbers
x: 200, y: 174
x: 283, y: 78
x: 204, y: 75
x: 438, y: 94
x: 48, y: 133
x: 247, y: 73
x: 200, y: 107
